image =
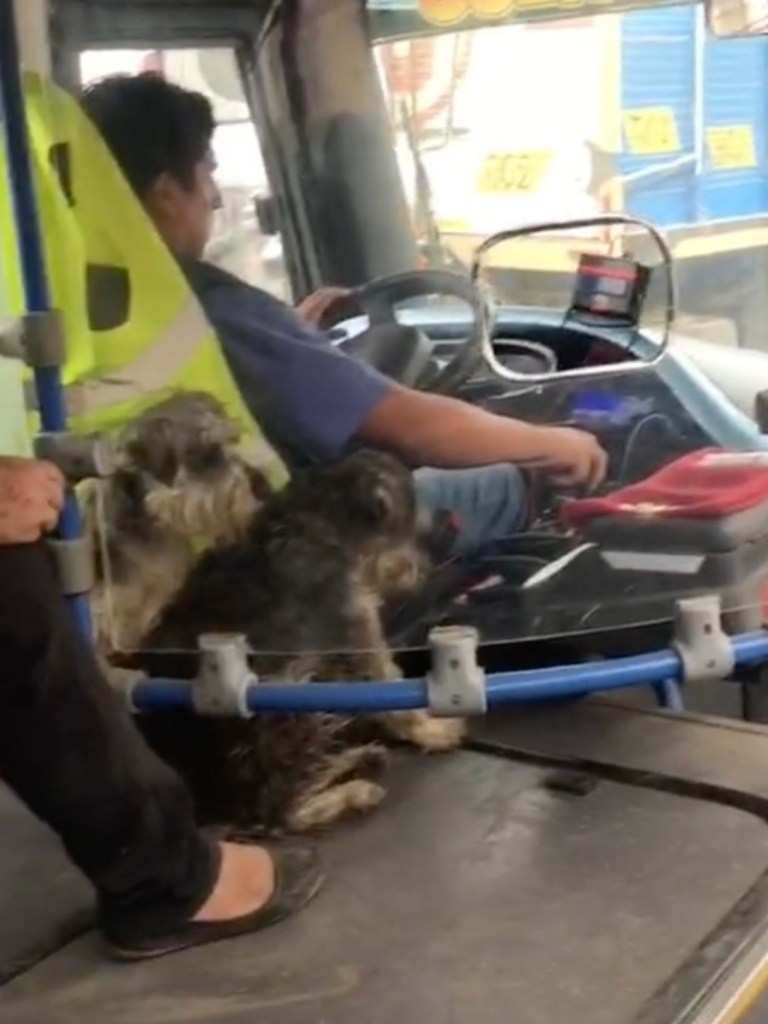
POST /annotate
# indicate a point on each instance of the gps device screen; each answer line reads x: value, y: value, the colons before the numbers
x: 607, y: 408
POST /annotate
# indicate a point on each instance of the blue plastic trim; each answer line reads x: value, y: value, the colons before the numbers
x: 48, y: 383
x: 657, y: 669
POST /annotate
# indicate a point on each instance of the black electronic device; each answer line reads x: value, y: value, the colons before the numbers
x: 610, y: 288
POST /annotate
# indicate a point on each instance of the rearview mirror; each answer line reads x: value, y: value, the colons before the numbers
x: 728, y: 19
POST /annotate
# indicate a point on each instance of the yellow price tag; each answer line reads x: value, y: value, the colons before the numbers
x: 732, y: 147
x: 651, y: 130
x: 514, y: 172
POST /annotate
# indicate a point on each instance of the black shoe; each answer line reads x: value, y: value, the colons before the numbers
x: 299, y: 876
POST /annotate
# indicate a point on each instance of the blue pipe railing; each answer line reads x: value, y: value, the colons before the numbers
x: 502, y: 688
x: 48, y: 382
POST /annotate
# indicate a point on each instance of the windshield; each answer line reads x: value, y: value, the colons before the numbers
x: 363, y: 555
x: 344, y: 565
x: 641, y: 111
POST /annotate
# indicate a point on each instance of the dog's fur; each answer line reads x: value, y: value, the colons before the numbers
x: 180, y: 481
x: 303, y: 574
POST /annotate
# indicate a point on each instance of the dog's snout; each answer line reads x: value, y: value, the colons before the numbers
x: 207, y: 461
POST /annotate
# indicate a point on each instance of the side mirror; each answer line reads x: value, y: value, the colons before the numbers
x: 728, y: 19
x: 761, y: 411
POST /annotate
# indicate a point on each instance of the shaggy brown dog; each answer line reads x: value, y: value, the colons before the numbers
x: 303, y: 574
x: 181, y: 481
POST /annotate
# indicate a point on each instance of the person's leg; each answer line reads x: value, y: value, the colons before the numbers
x: 70, y: 751
x: 490, y: 502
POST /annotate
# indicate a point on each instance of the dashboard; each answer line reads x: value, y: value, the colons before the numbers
x: 643, y: 416
x: 637, y: 416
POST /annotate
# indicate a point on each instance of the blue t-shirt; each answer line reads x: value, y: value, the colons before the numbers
x: 309, y: 398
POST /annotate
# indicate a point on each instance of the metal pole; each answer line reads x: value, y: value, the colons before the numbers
x: 50, y: 393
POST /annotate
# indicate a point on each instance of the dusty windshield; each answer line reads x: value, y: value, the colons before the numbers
x: 503, y: 126
x: 642, y: 111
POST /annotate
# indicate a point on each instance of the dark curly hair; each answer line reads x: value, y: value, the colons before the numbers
x: 152, y: 127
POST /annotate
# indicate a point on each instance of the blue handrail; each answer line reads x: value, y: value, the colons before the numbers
x: 48, y: 383
x: 530, y: 685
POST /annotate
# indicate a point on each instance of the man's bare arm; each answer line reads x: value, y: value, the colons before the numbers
x: 433, y: 430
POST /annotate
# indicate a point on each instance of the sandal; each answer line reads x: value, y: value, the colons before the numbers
x: 298, y: 878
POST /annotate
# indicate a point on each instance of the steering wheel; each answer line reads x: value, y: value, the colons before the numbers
x: 406, y: 354
x: 525, y: 357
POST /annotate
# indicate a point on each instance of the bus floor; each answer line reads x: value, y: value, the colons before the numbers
x: 590, y: 863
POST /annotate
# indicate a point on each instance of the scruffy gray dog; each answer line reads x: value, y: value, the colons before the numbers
x: 303, y: 573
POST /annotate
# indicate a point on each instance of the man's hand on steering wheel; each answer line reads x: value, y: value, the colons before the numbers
x: 316, y: 307
x: 577, y: 458
x: 569, y: 457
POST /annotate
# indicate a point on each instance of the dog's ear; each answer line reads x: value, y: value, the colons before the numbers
x: 375, y: 489
x: 152, y: 449
x: 125, y: 499
x: 371, y: 499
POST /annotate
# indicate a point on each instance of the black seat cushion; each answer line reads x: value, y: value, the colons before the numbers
x: 707, y: 536
x: 44, y: 901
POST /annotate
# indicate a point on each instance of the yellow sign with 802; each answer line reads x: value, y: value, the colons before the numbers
x: 513, y: 173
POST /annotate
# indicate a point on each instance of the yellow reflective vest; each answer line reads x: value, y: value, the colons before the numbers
x: 135, y: 330
x: 14, y: 429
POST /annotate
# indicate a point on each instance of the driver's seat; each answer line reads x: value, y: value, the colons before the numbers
x: 135, y: 331
x: 710, y: 498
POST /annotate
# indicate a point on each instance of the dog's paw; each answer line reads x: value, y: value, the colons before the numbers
x: 321, y: 810
x: 371, y: 761
x: 430, y: 734
x: 436, y: 735
x: 363, y: 795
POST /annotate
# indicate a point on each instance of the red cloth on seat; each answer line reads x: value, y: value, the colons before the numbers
x: 706, y: 484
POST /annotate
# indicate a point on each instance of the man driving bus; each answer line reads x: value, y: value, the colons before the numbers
x: 312, y: 400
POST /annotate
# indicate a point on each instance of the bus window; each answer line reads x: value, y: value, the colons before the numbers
x: 650, y: 115
x: 239, y: 243
x: 732, y: 18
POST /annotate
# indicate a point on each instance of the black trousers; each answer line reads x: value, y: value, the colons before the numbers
x: 70, y: 751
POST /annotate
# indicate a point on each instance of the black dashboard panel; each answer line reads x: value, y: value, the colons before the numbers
x: 635, y: 415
